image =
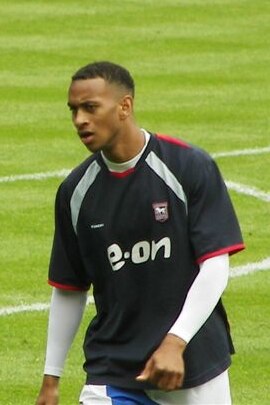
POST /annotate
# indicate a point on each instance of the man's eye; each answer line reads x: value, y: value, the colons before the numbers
x: 73, y: 110
x: 90, y: 107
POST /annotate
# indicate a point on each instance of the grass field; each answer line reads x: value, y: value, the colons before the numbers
x: 202, y: 69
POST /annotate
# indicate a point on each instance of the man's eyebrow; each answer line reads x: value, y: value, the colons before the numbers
x: 83, y: 103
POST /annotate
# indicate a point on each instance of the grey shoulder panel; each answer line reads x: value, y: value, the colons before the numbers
x: 80, y: 191
x: 159, y: 167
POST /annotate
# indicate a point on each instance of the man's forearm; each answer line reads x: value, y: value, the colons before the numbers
x: 202, y: 297
x: 65, y: 316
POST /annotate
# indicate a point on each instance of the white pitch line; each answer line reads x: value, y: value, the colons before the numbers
x: 250, y: 268
x: 65, y: 172
x: 250, y: 191
x: 24, y: 308
x: 35, y: 176
x: 33, y: 307
x: 243, y: 152
x: 240, y: 188
x: 235, y: 272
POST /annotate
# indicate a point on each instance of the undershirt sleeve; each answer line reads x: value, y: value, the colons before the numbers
x: 202, y: 297
x: 66, y: 312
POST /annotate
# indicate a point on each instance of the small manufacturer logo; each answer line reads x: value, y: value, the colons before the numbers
x: 96, y: 226
x: 161, y: 211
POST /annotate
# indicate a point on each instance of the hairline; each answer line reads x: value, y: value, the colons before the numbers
x: 113, y: 74
x: 114, y: 83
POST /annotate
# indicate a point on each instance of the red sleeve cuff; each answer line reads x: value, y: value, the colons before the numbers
x: 67, y: 287
x: 230, y: 250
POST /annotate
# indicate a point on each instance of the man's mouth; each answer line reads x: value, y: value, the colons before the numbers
x: 85, y: 134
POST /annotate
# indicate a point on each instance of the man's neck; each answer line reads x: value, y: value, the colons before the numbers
x: 129, y: 164
x: 127, y: 147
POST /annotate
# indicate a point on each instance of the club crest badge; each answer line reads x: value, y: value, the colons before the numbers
x: 161, y: 211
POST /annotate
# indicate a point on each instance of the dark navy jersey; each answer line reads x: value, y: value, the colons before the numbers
x: 138, y: 237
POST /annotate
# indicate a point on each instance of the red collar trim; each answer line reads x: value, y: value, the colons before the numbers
x: 175, y: 141
x: 120, y: 175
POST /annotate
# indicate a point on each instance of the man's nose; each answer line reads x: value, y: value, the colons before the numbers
x: 80, y: 118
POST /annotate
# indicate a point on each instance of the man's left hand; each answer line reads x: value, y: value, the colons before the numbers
x: 165, y: 368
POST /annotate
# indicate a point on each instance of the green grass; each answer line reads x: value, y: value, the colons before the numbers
x: 202, y: 71
x: 248, y: 304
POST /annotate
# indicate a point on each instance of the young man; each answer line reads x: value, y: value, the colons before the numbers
x: 147, y: 221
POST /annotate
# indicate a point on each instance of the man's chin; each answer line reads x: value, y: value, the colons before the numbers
x: 92, y: 148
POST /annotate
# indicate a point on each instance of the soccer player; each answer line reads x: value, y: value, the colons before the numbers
x: 147, y: 221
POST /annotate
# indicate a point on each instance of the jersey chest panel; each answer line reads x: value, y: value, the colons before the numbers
x: 132, y: 233
x: 134, y: 213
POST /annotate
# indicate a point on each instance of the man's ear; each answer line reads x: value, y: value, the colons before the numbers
x: 126, y: 107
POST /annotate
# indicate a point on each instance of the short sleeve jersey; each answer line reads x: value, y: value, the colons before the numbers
x: 138, y: 237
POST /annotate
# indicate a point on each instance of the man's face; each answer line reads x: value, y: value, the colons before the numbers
x: 96, y: 112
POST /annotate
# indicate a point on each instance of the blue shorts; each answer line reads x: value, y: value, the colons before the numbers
x: 128, y: 397
x: 109, y: 395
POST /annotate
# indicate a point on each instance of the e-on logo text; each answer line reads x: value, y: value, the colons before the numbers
x: 141, y: 252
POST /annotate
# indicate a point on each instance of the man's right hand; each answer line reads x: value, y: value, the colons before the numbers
x: 49, y: 392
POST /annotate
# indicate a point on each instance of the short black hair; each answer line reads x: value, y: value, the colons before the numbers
x: 110, y: 72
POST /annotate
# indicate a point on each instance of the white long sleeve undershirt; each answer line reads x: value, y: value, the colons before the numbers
x: 67, y: 309
x: 66, y: 312
x: 202, y: 297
